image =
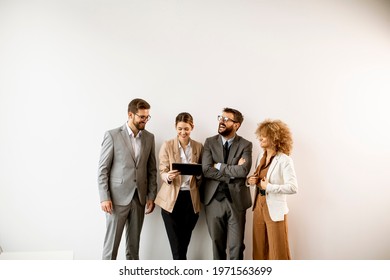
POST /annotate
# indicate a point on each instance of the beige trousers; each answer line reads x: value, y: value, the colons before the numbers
x: 270, y: 239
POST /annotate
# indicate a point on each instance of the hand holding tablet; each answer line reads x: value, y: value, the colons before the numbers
x: 187, y: 168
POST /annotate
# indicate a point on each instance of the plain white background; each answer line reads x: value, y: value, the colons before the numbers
x: 68, y: 70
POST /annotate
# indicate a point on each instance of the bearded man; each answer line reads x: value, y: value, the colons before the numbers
x: 127, y: 180
x: 226, y: 162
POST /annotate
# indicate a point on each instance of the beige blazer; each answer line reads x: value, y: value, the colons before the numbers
x: 167, y: 195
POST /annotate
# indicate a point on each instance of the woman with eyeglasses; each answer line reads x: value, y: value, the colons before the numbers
x: 179, y: 194
x: 273, y: 180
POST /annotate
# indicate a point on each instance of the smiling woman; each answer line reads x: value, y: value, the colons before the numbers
x: 178, y: 196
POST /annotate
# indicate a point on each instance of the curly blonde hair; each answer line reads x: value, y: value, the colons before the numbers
x: 277, y: 133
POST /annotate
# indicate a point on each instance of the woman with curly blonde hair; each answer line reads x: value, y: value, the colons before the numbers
x: 273, y: 179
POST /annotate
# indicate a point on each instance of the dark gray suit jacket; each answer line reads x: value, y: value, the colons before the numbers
x: 119, y: 174
x: 232, y: 173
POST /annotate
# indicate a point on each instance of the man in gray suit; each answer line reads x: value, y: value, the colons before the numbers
x: 226, y: 162
x: 127, y: 180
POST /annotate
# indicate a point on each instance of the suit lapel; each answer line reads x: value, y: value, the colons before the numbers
x: 176, y: 152
x: 272, y: 167
x: 233, y: 148
x: 194, y: 156
x: 220, y: 148
x: 143, y: 145
x: 126, y: 139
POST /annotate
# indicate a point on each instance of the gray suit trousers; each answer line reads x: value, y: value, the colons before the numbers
x: 130, y: 216
x: 226, y: 226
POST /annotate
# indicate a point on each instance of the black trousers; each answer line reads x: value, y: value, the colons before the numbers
x: 179, y: 225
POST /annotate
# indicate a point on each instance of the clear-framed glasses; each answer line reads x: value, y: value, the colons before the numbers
x: 224, y: 119
x: 144, y: 118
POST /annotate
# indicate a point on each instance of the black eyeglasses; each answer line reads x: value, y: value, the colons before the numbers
x: 144, y: 118
x: 225, y: 119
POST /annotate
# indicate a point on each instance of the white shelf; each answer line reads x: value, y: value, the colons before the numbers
x: 39, y: 255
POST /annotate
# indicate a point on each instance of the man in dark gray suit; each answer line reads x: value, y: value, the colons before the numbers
x: 226, y: 162
x: 127, y: 180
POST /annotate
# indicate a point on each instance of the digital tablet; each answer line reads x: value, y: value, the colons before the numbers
x: 188, y: 168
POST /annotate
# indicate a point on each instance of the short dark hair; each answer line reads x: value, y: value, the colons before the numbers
x: 238, y: 117
x: 137, y: 104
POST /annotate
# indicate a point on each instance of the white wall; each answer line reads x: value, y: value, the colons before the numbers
x: 69, y: 68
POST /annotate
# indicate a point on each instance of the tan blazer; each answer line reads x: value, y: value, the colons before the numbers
x: 167, y: 195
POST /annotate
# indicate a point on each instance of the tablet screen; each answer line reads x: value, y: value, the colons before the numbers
x: 188, y: 168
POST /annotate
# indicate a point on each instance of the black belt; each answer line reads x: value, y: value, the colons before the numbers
x: 261, y: 192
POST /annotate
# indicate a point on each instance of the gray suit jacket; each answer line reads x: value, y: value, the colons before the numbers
x: 232, y: 173
x: 119, y: 175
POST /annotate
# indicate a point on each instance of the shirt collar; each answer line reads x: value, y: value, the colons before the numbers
x: 230, y: 141
x: 180, y: 147
x: 130, y: 132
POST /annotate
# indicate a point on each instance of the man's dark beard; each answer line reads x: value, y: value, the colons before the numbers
x: 137, y: 125
x: 226, y: 132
